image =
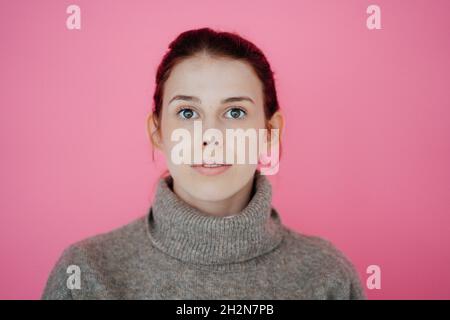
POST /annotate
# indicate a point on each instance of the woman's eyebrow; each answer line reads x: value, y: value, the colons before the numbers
x: 237, y: 99
x: 185, y: 98
x: 196, y: 99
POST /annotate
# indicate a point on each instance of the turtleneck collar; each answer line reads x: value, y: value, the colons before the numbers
x: 184, y: 232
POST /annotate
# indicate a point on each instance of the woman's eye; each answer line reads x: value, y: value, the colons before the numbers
x: 187, y: 113
x: 235, y: 113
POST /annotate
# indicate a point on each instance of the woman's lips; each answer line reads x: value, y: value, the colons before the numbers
x: 211, y: 169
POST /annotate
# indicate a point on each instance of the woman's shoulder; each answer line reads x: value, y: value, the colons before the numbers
x: 317, y: 246
x: 95, y: 257
x: 323, y: 262
x: 120, y: 239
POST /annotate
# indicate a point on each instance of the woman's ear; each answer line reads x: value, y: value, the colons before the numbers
x: 153, y: 132
x: 276, y: 122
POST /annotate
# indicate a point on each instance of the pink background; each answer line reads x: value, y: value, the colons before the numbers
x: 366, y: 148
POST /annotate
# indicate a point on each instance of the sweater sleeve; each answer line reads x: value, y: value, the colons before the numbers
x: 349, y: 286
x: 356, y: 291
x: 57, y: 286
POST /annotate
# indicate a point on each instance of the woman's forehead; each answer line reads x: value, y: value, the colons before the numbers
x: 213, y: 78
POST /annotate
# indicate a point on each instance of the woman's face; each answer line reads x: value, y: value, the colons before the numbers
x: 197, y: 90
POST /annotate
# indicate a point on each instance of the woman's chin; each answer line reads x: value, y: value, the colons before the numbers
x: 212, y: 187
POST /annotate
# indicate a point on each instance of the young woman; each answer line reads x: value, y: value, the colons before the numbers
x: 211, y: 232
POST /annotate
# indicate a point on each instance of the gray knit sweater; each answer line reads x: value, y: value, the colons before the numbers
x: 177, y: 252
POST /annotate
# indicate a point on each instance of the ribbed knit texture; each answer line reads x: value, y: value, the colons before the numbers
x: 186, y: 233
x: 179, y: 252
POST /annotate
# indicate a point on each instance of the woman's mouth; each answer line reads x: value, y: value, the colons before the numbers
x: 211, y: 169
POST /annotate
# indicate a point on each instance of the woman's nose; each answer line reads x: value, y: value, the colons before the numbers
x: 212, y: 140
x: 211, y: 128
